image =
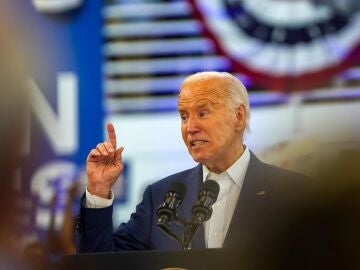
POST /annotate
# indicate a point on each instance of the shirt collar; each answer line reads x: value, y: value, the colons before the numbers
x: 237, y: 170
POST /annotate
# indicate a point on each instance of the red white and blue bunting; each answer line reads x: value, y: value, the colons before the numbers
x: 283, y: 45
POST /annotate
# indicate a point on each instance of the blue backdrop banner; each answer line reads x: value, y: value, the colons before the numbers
x: 63, y: 44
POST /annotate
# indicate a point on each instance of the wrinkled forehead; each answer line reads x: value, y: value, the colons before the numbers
x: 212, y: 90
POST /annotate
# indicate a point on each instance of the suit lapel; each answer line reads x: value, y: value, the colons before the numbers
x: 193, y: 184
x: 250, y: 200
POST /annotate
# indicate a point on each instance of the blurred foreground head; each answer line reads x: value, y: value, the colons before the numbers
x: 13, y: 105
x: 323, y: 233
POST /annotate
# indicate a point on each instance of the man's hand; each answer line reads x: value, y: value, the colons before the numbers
x: 104, y: 165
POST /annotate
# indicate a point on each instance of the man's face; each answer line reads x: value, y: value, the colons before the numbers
x: 211, y: 131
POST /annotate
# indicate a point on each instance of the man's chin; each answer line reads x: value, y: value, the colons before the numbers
x: 199, y: 159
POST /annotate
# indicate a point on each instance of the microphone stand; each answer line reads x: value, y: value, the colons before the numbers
x: 189, y: 234
x: 201, y: 212
x: 190, y: 229
x: 162, y: 224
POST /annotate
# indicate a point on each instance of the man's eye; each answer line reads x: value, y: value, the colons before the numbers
x: 183, y: 117
x: 202, y: 113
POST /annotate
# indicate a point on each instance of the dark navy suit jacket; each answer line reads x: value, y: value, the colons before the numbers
x: 267, y: 194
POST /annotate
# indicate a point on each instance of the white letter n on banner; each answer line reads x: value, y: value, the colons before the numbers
x: 62, y: 128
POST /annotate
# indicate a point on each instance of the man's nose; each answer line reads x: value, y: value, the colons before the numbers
x: 192, y: 125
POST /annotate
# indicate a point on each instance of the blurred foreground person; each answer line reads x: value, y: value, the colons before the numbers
x: 13, y: 103
x: 63, y: 242
x: 45, y: 255
x: 36, y: 256
x: 324, y: 234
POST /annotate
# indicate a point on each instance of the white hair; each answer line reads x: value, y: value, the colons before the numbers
x: 236, y: 91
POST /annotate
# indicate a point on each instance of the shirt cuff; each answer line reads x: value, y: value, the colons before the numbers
x: 93, y: 201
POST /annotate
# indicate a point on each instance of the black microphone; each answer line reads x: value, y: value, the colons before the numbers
x: 202, y: 210
x: 173, y: 198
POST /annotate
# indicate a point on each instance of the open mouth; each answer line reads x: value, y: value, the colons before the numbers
x: 197, y: 143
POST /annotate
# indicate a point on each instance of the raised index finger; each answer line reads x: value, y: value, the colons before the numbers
x: 111, y: 134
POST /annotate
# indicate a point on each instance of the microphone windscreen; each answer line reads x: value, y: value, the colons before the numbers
x: 213, y: 186
x: 178, y: 188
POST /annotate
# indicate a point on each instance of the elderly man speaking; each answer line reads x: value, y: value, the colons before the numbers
x: 253, y: 198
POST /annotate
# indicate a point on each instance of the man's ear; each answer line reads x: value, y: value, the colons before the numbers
x: 240, y: 117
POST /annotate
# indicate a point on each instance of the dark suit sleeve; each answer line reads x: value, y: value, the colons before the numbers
x: 96, y: 228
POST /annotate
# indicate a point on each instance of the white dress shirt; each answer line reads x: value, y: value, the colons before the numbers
x: 230, y: 183
x: 93, y: 201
